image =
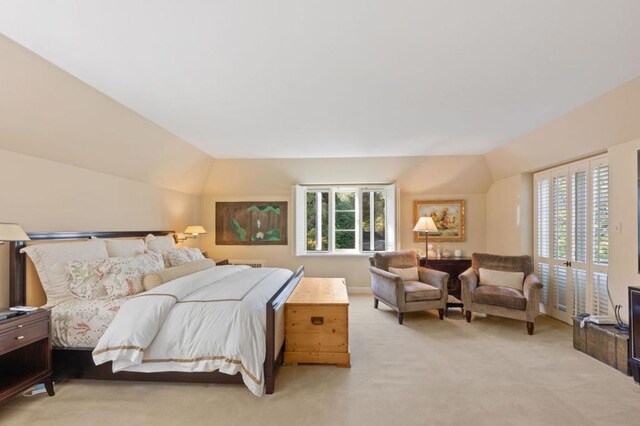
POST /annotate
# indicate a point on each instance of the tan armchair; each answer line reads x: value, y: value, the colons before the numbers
x: 410, y: 296
x: 502, y: 301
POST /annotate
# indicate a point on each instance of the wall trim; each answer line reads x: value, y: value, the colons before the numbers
x: 359, y: 290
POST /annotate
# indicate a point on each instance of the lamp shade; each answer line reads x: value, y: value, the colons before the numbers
x: 425, y: 224
x: 12, y: 232
x: 195, y: 230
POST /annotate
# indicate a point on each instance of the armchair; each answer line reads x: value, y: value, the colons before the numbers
x: 502, y: 301
x: 430, y: 292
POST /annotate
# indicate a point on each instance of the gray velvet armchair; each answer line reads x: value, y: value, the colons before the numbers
x: 502, y: 301
x: 430, y: 292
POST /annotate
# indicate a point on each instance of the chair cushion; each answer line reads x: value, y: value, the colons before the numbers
x: 396, y: 259
x: 499, y: 296
x: 415, y: 291
x: 406, y: 274
x: 502, y: 278
x: 502, y: 263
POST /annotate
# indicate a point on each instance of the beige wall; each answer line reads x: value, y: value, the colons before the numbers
x: 623, y: 210
x: 46, y: 196
x: 606, y: 121
x: 48, y: 113
x: 465, y: 177
x: 510, y: 216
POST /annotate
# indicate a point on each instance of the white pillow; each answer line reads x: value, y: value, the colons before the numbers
x: 160, y: 244
x: 406, y: 274
x: 502, y: 278
x: 51, y: 261
x: 181, y: 256
x: 124, y: 247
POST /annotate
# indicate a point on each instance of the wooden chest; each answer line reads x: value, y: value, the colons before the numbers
x: 317, y: 323
x: 603, y: 342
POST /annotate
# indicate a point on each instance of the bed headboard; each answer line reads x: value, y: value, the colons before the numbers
x: 21, y: 290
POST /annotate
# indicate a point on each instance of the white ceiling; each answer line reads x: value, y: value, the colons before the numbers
x: 333, y: 78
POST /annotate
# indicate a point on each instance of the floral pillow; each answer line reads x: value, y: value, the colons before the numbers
x: 85, y: 278
x: 125, y: 274
x: 113, y: 277
x: 181, y: 256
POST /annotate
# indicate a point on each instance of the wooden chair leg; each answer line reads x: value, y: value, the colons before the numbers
x: 467, y: 314
x: 375, y: 303
x: 400, y: 317
x: 441, y: 313
x: 530, y: 327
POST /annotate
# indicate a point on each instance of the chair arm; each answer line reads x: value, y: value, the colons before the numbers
x: 388, y: 286
x: 437, y: 279
x: 432, y: 277
x: 532, y: 286
x: 469, y: 281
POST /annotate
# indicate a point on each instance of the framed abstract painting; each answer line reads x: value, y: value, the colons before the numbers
x: 448, y: 215
x: 251, y: 223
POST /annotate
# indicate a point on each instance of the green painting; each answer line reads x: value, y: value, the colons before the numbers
x: 251, y: 223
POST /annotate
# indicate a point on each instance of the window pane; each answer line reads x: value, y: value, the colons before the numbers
x: 325, y: 221
x: 345, y: 220
x: 345, y: 201
x: 311, y: 220
x: 313, y: 198
x: 366, y: 221
x: 379, y: 218
x: 345, y: 239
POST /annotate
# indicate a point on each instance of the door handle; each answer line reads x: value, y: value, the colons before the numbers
x: 568, y: 264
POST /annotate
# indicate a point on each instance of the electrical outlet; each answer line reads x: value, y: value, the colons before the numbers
x: 617, y: 228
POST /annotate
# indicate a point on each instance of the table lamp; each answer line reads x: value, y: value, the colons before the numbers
x: 12, y: 232
x: 425, y: 224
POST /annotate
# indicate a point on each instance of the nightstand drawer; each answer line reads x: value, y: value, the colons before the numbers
x: 23, y: 335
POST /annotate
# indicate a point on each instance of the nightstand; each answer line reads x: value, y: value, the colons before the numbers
x: 25, y: 353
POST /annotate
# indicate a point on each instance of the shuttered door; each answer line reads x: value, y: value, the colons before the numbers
x: 571, y: 208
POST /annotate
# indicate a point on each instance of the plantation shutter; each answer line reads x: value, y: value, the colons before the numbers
x: 600, y: 237
x: 600, y: 176
x: 579, y: 237
x: 560, y: 231
x: 600, y: 296
x: 390, y: 218
x: 542, y: 235
x: 301, y: 219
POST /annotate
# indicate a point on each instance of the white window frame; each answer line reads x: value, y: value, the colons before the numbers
x: 300, y: 193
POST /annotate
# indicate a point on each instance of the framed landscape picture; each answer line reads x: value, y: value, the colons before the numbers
x: 251, y: 223
x: 448, y: 216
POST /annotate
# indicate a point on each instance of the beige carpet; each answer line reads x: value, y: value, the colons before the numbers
x: 425, y: 372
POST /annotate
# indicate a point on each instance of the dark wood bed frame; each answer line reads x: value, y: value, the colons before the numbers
x: 78, y: 363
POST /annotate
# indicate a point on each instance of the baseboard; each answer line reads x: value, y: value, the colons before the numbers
x: 359, y: 290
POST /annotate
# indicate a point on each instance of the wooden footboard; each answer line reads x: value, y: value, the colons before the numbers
x: 275, y: 328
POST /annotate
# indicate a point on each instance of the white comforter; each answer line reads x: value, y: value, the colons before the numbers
x: 211, y: 320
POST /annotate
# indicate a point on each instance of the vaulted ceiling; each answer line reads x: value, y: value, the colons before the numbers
x: 334, y: 78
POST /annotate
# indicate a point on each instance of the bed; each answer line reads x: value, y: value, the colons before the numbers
x: 80, y: 326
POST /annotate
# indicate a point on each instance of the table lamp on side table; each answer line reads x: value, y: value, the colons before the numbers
x: 425, y: 224
x: 12, y: 232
